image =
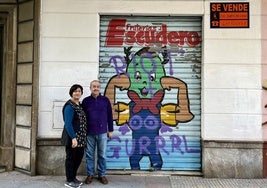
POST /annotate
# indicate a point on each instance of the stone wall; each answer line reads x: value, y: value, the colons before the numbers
x: 226, y: 159
x: 51, y: 158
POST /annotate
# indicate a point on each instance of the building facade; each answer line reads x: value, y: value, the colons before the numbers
x: 186, y: 80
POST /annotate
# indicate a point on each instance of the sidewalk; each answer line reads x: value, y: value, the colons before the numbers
x: 16, y: 179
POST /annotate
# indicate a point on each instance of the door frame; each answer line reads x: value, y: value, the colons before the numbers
x: 8, y: 15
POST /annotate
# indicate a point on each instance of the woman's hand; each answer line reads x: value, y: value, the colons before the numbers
x: 74, y: 143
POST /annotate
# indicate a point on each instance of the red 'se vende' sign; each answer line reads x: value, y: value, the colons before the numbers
x: 229, y: 15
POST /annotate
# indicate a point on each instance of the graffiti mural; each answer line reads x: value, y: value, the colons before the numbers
x: 148, y: 100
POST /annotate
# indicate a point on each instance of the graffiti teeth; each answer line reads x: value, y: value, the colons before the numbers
x: 144, y: 92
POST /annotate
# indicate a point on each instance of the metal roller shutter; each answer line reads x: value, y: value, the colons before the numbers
x: 150, y: 68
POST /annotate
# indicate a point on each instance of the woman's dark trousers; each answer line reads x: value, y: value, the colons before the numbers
x: 73, y: 160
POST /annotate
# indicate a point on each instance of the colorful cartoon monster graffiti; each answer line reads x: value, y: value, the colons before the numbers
x: 146, y: 82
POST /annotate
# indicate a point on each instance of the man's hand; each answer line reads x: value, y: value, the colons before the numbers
x: 110, y: 134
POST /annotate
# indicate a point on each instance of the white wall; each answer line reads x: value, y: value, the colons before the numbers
x: 231, y: 69
x: 232, y: 80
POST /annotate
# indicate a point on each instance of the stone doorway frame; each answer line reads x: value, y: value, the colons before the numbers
x: 8, y: 15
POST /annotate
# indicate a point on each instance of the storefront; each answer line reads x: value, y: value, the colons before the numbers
x: 184, y: 81
x: 162, y: 58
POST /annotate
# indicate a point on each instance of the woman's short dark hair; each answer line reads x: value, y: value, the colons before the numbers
x: 74, y: 87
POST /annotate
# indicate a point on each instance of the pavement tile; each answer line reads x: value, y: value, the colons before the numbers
x: 15, y: 179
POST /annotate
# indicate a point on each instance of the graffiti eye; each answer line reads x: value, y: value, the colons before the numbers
x: 152, y: 77
x: 137, y: 76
